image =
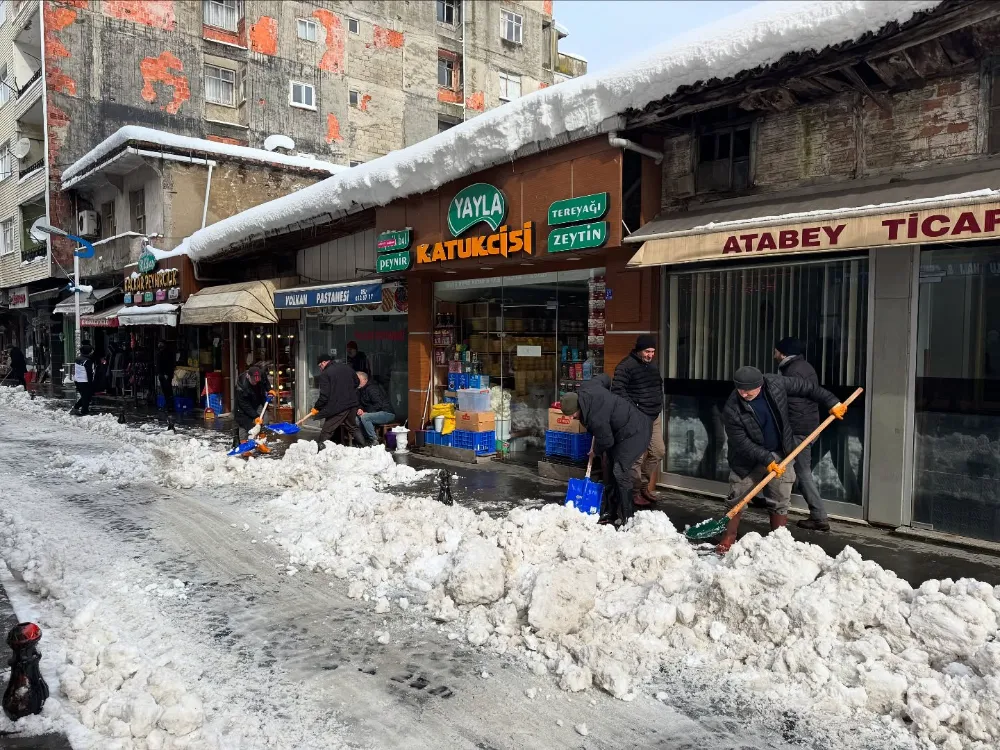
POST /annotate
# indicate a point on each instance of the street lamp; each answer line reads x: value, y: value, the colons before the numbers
x: 39, y: 232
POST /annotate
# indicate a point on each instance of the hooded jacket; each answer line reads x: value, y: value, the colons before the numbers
x: 614, y: 421
x: 803, y: 414
x: 640, y: 383
x: 338, y: 390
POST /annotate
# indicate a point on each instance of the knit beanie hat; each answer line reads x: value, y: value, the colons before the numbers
x: 790, y: 346
x: 747, y: 378
x: 645, y: 341
x: 570, y: 403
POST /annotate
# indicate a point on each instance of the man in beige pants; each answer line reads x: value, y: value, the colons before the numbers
x: 637, y: 378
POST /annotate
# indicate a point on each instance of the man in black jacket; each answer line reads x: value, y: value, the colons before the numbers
x: 620, y: 430
x: 83, y: 377
x: 18, y: 366
x: 166, y: 363
x: 337, y: 403
x: 803, y: 416
x: 760, y: 436
x: 637, y: 378
x: 252, y: 391
x: 376, y: 408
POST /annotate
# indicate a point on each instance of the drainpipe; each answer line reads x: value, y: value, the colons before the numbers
x: 464, y: 69
x: 208, y: 191
x: 616, y: 142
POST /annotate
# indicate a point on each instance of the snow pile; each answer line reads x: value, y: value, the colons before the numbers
x: 577, y: 108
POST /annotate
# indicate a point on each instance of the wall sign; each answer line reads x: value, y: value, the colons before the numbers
x: 503, y: 243
x: 143, y: 282
x: 147, y: 261
x: 392, y: 262
x: 18, y: 298
x: 330, y: 296
x: 393, y: 240
x: 474, y: 204
x: 584, y: 208
x: 579, y: 237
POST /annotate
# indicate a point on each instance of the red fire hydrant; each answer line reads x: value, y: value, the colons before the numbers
x: 26, y: 692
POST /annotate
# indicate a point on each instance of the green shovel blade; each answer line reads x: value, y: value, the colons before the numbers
x: 707, y: 529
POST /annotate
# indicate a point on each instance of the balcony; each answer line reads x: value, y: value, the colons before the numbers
x: 27, y: 49
x: 33, y: 252
x: 112, y: 254
x: 571, y: 66
x: 36, y: 76
x: 30, y: 137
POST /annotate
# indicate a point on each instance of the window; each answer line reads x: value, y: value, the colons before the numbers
x: 108, y: 225
x: 303, y: 95
x: 446, y: 123
x: 354, y: 98
x: 449, y: 11
x: 354, y: 163
x: 243, y: 83
x: 308, y: 29
x: 446, y: 73
x: 994, y: 126
x: 220, y: 85
x: 137, y: 210
x: 5, y: 85
x: 510, y: 86
x: 511, y: 26
x: 354, y: 25
x: 3, y: 12
x: 223, y: 14
x: 7, y: 237
x: 724, y: 158
x: 6, y: 160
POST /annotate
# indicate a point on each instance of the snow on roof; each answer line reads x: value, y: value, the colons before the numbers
x: 561, y: 28
x: 577, y: 108
x: 173, y: 142
x: 575, y: 56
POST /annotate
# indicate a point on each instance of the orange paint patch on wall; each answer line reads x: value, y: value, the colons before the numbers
x: 333, y: 129
x: 224, y: 139
x: 333, y: 58
x: 543, y: 85
x: 477, y: 101
x: 74, y: 3
x: 56, y: 19
x: 450, y: 96
x: 156, y: 13
x: 387, y: 38
x: 264, y: 36
x: 159, y: 70
x: 56, y: 80
x: 363, y: 106
x: 547, y: 7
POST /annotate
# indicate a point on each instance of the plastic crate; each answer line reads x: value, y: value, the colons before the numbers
x: 214, y: 403
x: 585, y: 496
x: 574, y: 445
x: 436, y: 438
x: 474, y: 400
x: 480, y: 442
x: 183, y: 404
x: 161, y: 402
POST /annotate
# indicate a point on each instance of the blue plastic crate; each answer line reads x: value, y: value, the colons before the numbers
x: 436, y: 438
x: 183, y: 404
x: 585, y: 496
x: 451, y: 400
x: 574, y: 445
x: 480, y: 442
x: 214, y: 403
x: 161, y: 402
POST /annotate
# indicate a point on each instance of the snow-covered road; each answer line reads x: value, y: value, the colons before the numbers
x: 321, y: 601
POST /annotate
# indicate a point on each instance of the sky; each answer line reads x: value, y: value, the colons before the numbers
x: 608, y: 32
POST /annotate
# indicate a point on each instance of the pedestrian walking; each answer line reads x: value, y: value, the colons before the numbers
x: 621, y: 434
x: 358, y: 360
x: 375, y: 409
x: 252, y: 391
x: 18, y: 366
x: 337, y: 403
x: 759, y: 434
x: 637, y: 378
x: 803, y: 417
x: 83, y: 377
x: 166, y: 362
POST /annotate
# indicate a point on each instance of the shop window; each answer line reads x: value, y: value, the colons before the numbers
x: 723, y: 158
x: 719, y: 320
x: 223, y: 14
x: 220, y: 85
x: 108, y: 225
x: 510, y: 86
x: 511, y: 26
x: 302, y: 95
x: 137, y: 210
x: 449, y: 11
x: 956, y: 476
x: 308, y: 30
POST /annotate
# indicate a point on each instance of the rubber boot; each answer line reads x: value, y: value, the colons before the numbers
x: 729, y: 537
x: 778, y: 521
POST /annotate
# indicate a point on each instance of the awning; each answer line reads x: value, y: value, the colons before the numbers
x: 947, y: 207
x: 88, y: 302
x: 155, y: 315
x: 106, y: 319
x: 330, y: 295
x: 247, y: 302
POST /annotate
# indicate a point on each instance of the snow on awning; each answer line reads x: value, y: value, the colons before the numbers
x: 154, y: 315
x: 950, y: 207
x: 330, y: 295
x: 248, y: 302
x: 88, y: 302
x: 106, y: 319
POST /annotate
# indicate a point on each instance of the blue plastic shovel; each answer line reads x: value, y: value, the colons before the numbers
x: 583, y: 494
x: 287, y: 428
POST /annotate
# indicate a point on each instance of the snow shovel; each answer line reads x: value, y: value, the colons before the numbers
x: 287, y: 428
x: 583, y: 494
x: 250, y: 445
x: 712, y: 527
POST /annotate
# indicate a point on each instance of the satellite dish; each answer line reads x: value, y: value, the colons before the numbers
x: 22, y: 148
x: 277, y: 141
x: 37, y: 234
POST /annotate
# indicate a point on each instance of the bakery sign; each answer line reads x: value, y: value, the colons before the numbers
x: 848, y: 231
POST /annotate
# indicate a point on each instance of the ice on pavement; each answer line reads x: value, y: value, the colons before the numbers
x: 588, y: 606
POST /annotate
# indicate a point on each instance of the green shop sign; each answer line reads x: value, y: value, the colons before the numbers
x: 393, y: 240
x: 147, y: 262
x: 393, y: 262
x: 476, y: 203
x: 580, y: 237
x: 584, y: 208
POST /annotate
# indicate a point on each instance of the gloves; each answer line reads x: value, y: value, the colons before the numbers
x: 839, y: 411
x: 272, y: 394
x: 258, y: 420
x: 777, y: 468
x: 313, y: 412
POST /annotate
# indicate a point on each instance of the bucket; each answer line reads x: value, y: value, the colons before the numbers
x: 401, y: 433
x: 438, y: 424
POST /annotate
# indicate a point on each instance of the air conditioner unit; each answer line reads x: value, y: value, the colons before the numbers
x: 86, y: 222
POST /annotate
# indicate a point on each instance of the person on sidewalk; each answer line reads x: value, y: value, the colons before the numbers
x: 375, y: 409
x: 337, y: 403
x: 166, y: 363
x: 637, y: 378
x: 252, y: 391
x: 760, y: 436
x: 83, y: 377
x: 18, y: 367
x: 357, y: 360
x: 803, y: 417
x: 621, y: 433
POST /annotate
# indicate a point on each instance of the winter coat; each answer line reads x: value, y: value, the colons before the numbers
x: 166, y: 362
x: 640, y: 383
x: 87, y: 360
x: 18, y: 365
x: 359, y: 363
x: 743, y: 431
x: 373, y: 398
x: 803, y: 414
x: 250, y: 398
x: 338, y: 390
x: 616, y: 424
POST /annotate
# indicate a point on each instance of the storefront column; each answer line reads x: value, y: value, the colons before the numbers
x: 420, y: 357
x: 893, y: 305
x: 632, y: 309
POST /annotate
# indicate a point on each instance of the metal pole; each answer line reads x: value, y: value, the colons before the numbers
x: 76, y: 298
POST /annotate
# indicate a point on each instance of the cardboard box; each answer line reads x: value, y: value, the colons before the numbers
x: 561, y: 423
x: 475, y: 421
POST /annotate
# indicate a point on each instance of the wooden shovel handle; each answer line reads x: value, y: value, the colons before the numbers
x: 788, y: 459
x: 307, y: 416
x: 590, y: 460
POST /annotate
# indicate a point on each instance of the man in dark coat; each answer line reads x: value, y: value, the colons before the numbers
x: 18, y: 366
x: 252, y: 391
x: 759, y: 435
x: 637, y: 378
x: 337, y: 403
x: 375, y: 409
x: 83, y: 377
x: 166, y: 362
x: 620, y: 431
x: 357, y: 360
x: 803, y: 416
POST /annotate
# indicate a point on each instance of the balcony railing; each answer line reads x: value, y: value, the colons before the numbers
x: 34, y: 77
x: 25, y: 171
x: 32, y: 252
